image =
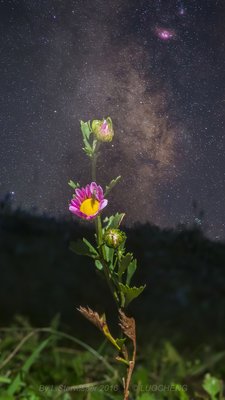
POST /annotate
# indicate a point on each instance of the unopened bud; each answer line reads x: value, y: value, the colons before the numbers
x: 103, y: 129
x: 114, y: 238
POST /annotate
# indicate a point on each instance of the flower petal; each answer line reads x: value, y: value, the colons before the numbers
x: 103, y: 204
x: 99, y: 195
x: 79, y: 192
x: 75, y: 203
x: 93, y: 186
x: 88, y: 191
x: 74, y: 210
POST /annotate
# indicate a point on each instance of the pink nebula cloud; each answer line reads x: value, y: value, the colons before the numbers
x: 164, y: 34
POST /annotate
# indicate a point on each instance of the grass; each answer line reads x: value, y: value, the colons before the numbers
x: 45, y: 363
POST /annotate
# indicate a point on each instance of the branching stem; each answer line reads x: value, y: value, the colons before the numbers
x: 107, y: 273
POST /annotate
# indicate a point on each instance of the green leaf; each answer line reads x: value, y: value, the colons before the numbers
x: 141, y: 375
x: 111, y: 185
x: 172, y: 355
x: 73, y: 185
x: 207, y: 364
x: 131, y: 270
x: 109, y: 252
x: 120, y: 342
x: 80, y: 361
x: 122, y: 360
x: 5, y: 396
x: 85, y: 129
x: 212, y: 386
x: 124, y: 263
x: 98, y: 265
x: 4, y: 379
x: 146, y: 396
x: 114, y: 221
x: 88, y: 150
x: 180, y: 390
x: 94, y: 145
x: 129, y: 293
x: 83, y: 248
x: 17, y: 382
x: 91, y: 248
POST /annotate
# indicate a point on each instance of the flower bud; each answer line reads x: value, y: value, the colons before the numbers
x: 103, y: 129
x: 114, y: 238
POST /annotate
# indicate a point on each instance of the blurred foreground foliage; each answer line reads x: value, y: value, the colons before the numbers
x: 45, y: 363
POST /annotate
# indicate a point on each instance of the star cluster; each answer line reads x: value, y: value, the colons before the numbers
x: 157, y: 68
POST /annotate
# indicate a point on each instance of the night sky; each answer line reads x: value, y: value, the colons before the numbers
x: 156, y: 67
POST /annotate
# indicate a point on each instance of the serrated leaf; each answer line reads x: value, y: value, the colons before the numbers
x: 83, y: 248
x: 111, y: 185
x: 87, y: 148
x: 86, y: 131
x: 124, y: 263
x: 129, y: 293
x: 89, y: 152
x: 128, y: 326
x: 131, y: 270
x: 73, y: 185
x: 114, y: 221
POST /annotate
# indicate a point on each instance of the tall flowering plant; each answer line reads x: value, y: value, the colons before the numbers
x: 108, y: 252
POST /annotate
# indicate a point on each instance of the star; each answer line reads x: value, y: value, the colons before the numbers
x: 181, y: 11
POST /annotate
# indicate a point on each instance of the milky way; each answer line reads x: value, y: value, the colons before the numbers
x: 157, y: 68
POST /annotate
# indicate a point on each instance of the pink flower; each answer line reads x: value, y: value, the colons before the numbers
x: 88, y: 202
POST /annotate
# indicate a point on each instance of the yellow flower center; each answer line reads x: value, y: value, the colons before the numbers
x: 89, y: 206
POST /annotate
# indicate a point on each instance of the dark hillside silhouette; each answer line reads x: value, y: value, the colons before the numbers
x: 40, y: 276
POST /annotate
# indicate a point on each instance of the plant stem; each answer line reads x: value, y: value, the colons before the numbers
x: 94, y: 162
x: 129, y: 373
x: 107, y: 272
x: 104, y: 261
x: 98, y: 229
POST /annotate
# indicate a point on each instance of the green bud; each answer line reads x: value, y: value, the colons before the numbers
x: 103, y: 129
x: 114, y: 238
